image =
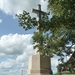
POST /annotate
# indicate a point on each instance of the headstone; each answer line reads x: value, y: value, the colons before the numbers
x: 39, y: 64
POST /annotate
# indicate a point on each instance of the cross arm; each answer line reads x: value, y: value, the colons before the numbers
x: 38, y: 11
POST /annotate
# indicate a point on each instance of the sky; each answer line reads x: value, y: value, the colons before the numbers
x: 15, y: 43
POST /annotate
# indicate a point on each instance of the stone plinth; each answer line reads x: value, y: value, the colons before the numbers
x: 39, y: 65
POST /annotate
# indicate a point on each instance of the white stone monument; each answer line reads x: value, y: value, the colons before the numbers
x: 39, y: 65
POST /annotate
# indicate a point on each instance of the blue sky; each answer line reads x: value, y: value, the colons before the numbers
x: 15, y: 42
x: 10, y: 25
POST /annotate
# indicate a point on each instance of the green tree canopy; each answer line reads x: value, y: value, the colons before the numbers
x: 56, y: 32
x: 64, y: 12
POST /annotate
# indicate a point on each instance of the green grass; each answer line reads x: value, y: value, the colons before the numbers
x: 68, y: 74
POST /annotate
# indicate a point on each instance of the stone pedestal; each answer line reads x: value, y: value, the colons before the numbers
x: 39, y: 65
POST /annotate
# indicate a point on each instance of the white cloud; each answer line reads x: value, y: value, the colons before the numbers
x: 7, y: 64
x: 14, y: 44
x: 26, y: 54
x: 54, y: 63
x: 0, y: 20
x: 15, y: 6
x: 15, y: 50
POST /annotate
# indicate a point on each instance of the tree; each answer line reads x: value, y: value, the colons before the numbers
x: 64, y: 12
x: 56, y: 32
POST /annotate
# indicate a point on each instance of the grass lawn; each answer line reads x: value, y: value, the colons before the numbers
x: 68, y: 74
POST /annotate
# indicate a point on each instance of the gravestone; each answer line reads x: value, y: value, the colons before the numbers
x: 39, y: 64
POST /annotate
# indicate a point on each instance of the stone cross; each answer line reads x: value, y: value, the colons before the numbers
x: 39, y: 13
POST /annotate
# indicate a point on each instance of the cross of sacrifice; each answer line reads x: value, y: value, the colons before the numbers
x: 39, y: 13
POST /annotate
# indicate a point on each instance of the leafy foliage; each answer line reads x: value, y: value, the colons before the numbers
x: 26, y: 21
x: 56, y: 32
